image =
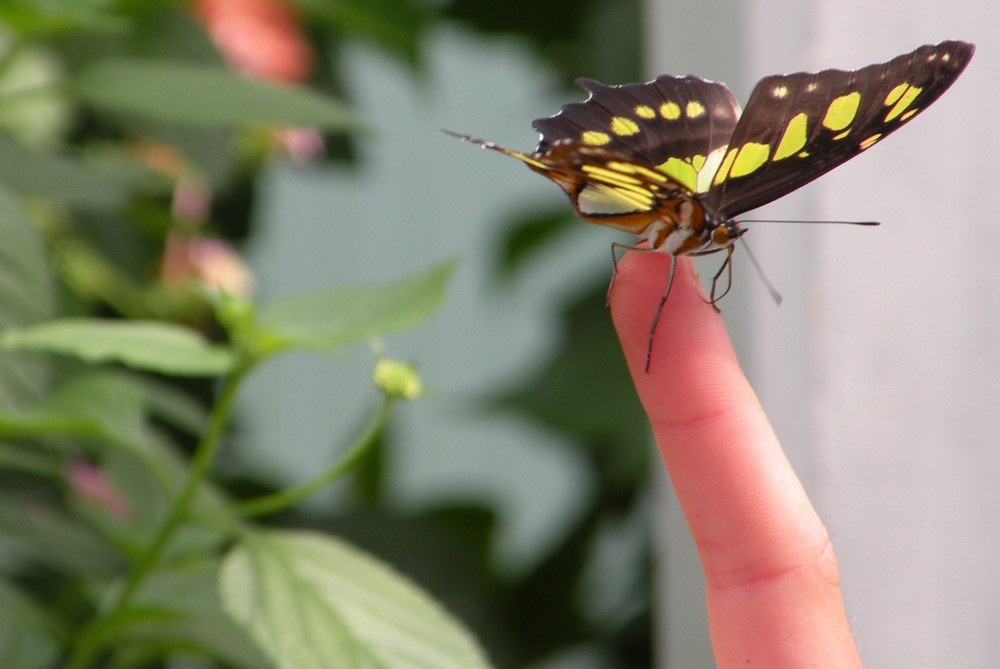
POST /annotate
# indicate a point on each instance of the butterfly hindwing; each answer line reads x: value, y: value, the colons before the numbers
x: 677, y: 125
x: 797, y: 127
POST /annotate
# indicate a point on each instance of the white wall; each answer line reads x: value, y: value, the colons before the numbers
x: 881, y: 370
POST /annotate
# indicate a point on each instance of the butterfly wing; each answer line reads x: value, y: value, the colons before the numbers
x: 797, y: 127
x: 679, y: 126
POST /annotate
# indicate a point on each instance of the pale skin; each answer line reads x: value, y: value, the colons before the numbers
x: 772, y: 584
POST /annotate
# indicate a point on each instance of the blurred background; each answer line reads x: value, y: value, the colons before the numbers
x: 523, y: 490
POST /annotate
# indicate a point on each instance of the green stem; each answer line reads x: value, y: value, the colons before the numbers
x: 90, y: 643
x: 286, y: 498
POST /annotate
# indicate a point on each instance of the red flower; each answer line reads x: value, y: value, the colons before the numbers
x: 263, y: 39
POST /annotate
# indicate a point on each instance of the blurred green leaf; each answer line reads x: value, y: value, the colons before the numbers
x: 586, y: 393
x: 26, y: 297
x: 593, y: 38
x: 328, y: 320
x: 97, y: 405
x: 37, y: 534
x: 146, y: 345
x: 40, y: 17
x: 190, y: 616
x: 530, y: 234
x: 312, y: 601
x: 33, y: 105
x: 172, y: 405
x: 91, y: 184
x: 27, y: 640
x: 205, y: 95
x: 392, y: 24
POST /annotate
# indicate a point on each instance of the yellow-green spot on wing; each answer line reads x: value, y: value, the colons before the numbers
x: 694, y: 109
x: 595, y: 137
x: 904, y: 101
x: 708, y: 168
x: 869, y: 141
x: 896, y: 93
x: 749, y: 159
x: 670, y: 111
x: 645, y: 111
x: 794, y: 137
x: 624, y: 126
x: 610, y: 176
x: 618, y: 167
x: 842, y: 111
x: 681, y: 171
x: 727, y: 164
x: 599, y: 199
x: 694, y: 173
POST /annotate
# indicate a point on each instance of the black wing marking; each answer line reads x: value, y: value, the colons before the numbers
x: 801, y: 148
x: 669, y: 117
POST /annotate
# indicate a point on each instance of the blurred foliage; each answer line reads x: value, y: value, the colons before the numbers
x: 600, y: 39
x: 103, y: 173
x: 584, y: 391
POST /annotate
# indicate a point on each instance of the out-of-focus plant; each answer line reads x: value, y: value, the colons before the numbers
x: 131, y: 135
x: 128, y: 133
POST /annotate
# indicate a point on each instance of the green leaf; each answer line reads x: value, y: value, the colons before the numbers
x: 41, y: 17
x: 179, y: 606
x: 89, y: 184
x: 528, y: 235
x: 26, y: 640
x: 37, y: 534
x: 312, y: 601
x: 26, y: 297
x: 395, y: 25
x: 328, y: 320
x: 205, y: 95
x: 99, y: 405
x: 35, y: 107
x: 146, y: 345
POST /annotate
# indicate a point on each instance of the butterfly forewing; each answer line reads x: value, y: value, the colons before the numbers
x: 797, y: 127
x: 677, y: 125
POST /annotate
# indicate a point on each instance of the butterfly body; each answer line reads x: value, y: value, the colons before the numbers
x: 675, y: 161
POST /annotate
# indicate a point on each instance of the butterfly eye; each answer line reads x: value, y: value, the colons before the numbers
x: 720, y: 236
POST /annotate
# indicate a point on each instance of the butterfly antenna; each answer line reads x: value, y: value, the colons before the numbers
x: 782, y: 220
x: 775, y: 295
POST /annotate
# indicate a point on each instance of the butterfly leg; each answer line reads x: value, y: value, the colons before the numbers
x: 727, y: 264
x: 659, y: 311
x: 615, y: 246
x: 614, y: 272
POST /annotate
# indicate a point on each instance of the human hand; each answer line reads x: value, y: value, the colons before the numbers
x: 772, y: 584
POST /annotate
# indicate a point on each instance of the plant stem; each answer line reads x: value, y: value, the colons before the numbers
x: 89, y: 643
x: 286, y: 498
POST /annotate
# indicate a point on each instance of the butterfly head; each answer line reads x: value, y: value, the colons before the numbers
x: 686, y: 227
x: 719, y: 233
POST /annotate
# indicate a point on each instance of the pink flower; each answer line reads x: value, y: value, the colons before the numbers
x: 259, y: 38
x: 91, y: 485
x: 301, y: 144
x: 206, y: 259
x: 192, y: 200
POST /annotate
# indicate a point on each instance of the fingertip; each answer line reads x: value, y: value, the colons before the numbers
x: 691, y: 360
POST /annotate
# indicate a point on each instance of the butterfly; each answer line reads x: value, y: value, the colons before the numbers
x: 674, y: 161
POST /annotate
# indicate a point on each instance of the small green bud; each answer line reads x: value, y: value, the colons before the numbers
x: 398, y: 379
